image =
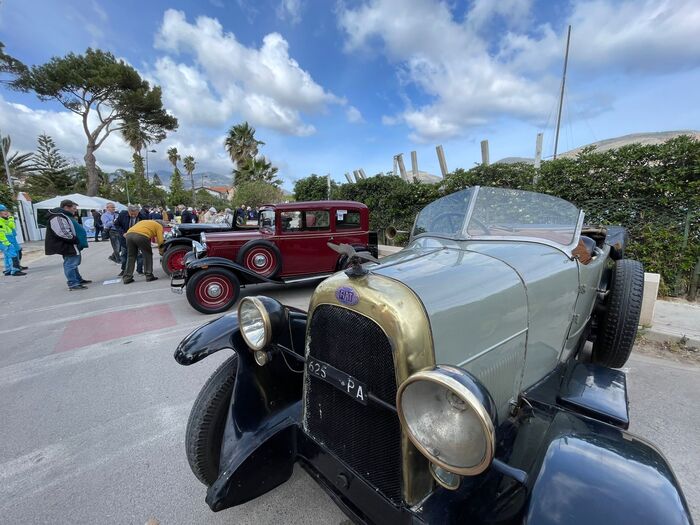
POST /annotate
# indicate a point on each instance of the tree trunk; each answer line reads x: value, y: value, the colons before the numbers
x: 93, y: 184
x: 194, y: 195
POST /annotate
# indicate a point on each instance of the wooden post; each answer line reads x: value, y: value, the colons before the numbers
x: 485, y: 152
x: 414, y: 164
x: 441, y: 160
x: 402, y: 167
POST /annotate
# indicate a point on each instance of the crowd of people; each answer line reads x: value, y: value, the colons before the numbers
x: 129, y: 231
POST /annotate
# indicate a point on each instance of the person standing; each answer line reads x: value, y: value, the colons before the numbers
x: 138, y: 239
x: 107, y: 220
x: 8, y: 244
x: 210, y: 216
x: 65, y: 237
x: 126, y: 219
x: 189, y: 216
x: 97, y: 221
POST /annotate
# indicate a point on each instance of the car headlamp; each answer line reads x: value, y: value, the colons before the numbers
x: 449, y: 416
x: 175, y: 231
x: 198, y: 248
x: 259, y: 318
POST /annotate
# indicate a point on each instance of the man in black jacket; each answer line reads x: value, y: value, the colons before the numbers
x: 62, y: 238
x: 126, y: 219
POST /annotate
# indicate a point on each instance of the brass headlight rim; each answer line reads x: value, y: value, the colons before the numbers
x: 436, y: 375
x: 267, y: 324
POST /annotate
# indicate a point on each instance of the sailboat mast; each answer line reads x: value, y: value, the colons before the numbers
x: 561, y: 95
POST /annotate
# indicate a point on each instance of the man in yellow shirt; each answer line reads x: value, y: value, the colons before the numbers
x: 138, y: 238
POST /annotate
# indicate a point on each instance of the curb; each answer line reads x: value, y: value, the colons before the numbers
x: 660, y: 336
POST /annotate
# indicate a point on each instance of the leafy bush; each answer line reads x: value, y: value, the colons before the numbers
x: 652, y: 190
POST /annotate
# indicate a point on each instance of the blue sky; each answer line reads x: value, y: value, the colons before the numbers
x: 336, y: 86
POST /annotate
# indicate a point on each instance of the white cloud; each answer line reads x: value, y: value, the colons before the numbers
x: 289, y: 10
x: 468, y: 77
x: 24, y: 125
x: 265, y: 86
x: 353, y: 115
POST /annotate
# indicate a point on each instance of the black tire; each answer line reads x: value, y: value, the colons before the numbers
x: 618, y: 328
x: 168, y: 255
x: 198, y: 292
x: 270, y: 253
x: 205, y: 427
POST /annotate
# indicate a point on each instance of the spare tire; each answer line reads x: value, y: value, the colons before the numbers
x: 205, y: 427
x: 623, y: 304
x: 261, y: 257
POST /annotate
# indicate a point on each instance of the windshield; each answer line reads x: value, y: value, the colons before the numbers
x: 500, y: 212
x: 267, y: 219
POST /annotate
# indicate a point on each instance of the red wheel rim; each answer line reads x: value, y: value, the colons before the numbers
x: 261, y: 260
x: 176, y: 260
x: 214, y: 291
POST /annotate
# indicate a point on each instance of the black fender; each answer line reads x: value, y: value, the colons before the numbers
x: 245, y: 275
x: 259, y: 443
x: 177, y: 241
x: 210, y: 338
x: 590, y: 472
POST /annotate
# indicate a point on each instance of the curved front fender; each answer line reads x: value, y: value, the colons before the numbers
x: 210, y: 338
x: 243, y: 273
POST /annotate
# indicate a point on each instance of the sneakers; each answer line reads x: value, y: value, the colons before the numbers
x: 150, y: 278
x: 79, y: 287
x: 24, y: 267
x: 128, y: 280
x: 17, y: 274
x: 113, y: 259
x: 121, y: 274
x: 85, y: 281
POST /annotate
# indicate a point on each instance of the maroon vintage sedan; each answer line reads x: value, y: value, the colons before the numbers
x: 290, y: 245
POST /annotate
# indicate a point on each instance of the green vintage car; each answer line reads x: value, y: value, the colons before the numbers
x: 472, y: 377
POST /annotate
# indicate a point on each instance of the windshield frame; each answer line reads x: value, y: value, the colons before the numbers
x: 464, y: 236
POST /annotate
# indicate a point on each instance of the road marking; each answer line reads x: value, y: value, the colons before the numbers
x: 25, y: 370
x: 114, y: 325
x: 101, y: 299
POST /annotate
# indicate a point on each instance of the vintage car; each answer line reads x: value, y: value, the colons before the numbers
x: 178, y: 241
x: 472, y: 377
x: 290, y: 245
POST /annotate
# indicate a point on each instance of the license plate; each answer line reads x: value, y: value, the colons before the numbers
x: 339, y: 379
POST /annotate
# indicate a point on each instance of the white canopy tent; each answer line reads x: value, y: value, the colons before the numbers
x: 83, y: 201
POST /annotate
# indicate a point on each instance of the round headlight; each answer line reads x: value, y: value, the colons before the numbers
x: 449, y: 417
x: 259, y: 318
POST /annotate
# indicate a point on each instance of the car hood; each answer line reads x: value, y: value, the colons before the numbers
x: 197, y: 227
x: 477, y: 308
x: 235, y: 236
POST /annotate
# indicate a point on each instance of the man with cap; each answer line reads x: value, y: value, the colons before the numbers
x: 65, y: 237
x: 8, y: 244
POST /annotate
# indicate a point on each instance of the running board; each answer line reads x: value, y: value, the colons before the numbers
x: 302, y: 279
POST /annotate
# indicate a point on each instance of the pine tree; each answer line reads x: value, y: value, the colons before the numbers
x: 52, y: 175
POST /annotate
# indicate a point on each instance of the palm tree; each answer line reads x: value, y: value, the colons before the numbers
x: 241, y: 143
x: 173, y: 157
x: 256, y: 169
x: 190, y: 165
x: 137, y: 139
x: 20, y: 165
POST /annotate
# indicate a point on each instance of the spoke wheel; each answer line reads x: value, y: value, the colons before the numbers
x: 173, y: 260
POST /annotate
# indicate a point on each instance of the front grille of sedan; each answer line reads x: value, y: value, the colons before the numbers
x: 367, y: 438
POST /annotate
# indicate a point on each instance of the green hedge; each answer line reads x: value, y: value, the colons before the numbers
x: 652, y: 190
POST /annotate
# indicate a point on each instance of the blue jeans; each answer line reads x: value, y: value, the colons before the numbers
x: 10, y: 255
x: 70, y: 269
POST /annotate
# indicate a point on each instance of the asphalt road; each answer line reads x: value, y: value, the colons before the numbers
x: 94, y: 407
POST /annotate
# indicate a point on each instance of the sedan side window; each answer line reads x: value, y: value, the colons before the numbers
x: 347, y: 220
x: 291, y: 221
x: 317, y: 220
